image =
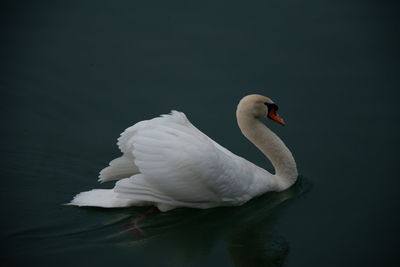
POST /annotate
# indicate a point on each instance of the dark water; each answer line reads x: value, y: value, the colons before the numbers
x: 74, y: 75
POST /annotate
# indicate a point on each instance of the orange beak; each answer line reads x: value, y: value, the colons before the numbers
x: 275, y: 117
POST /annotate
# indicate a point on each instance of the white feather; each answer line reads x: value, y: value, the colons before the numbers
x: 105, y: 198
x: 118, y: 168
x: 169, y: 163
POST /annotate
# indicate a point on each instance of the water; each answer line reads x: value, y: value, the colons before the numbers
x: 74, y: 75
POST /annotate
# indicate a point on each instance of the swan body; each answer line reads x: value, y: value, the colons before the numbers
x: 169, y: 163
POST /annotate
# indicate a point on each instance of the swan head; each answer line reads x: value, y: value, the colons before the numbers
x: 259, y: 106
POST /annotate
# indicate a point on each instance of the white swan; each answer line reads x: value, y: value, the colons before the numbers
x: 169, y: 163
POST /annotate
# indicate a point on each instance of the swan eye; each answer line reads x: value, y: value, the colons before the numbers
x: 271, y: 106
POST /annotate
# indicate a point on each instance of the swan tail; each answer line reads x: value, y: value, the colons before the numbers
x: 133, y: 191
x: 118, y: 168
x: 104, y: 198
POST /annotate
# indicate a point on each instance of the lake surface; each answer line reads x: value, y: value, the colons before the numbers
x: 74, y: 75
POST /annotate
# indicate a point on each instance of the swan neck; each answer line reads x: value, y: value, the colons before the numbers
x: 272, y: 147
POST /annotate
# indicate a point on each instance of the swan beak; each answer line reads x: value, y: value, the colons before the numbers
x: 275, y: 117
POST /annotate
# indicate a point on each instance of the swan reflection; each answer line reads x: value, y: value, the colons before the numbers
x: 184, y: 236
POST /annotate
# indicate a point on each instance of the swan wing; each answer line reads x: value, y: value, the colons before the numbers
x: 180, y: 165
x: 124, y: 166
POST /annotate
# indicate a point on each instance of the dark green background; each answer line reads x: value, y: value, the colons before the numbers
x: 74, y: 74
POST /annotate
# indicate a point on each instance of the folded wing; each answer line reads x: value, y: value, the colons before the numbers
x: 179, y: 164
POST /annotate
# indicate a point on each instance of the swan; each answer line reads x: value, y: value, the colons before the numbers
x: 168, y: 163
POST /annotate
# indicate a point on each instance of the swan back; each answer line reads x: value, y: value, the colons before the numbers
x: 185, y: 167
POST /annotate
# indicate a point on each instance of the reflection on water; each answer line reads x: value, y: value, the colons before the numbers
x: 186, y: 235
x: 243, y: 235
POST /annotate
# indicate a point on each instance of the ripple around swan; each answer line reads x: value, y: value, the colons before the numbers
x: 246, y: 233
